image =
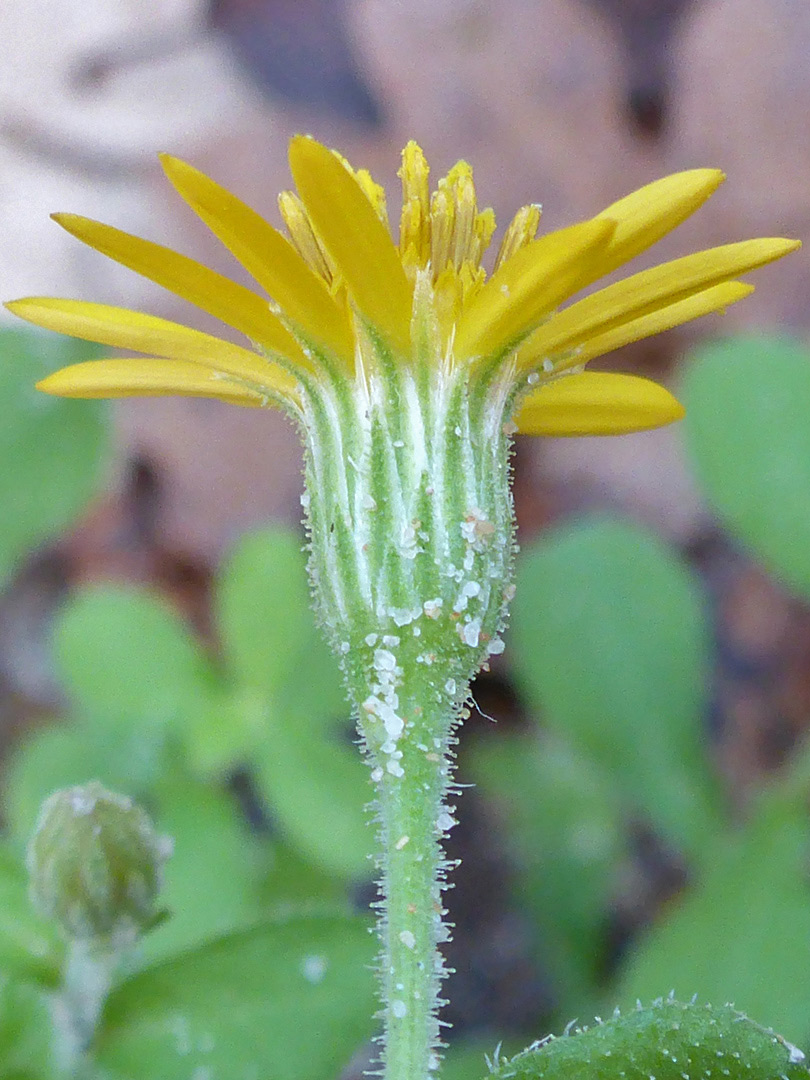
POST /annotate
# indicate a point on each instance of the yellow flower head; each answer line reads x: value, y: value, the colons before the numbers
x: 338, y: 282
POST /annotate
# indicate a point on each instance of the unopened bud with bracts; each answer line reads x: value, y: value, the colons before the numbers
x: 95, y: 863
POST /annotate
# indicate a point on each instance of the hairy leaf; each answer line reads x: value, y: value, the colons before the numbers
x: 668, y: 1041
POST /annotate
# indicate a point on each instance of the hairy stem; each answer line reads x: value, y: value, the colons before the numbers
x: 413, y: 816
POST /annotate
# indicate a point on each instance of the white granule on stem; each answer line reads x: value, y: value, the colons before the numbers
x: 433, y: 608
x: 470, y: 632
x: 404, y: 616
x: 468, y: 591
x: 384, y: 660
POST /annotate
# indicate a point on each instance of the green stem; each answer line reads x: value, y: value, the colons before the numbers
x: 88, y: 973
x: 413, y: 816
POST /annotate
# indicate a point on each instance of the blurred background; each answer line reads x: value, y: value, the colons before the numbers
x: 675, y: 556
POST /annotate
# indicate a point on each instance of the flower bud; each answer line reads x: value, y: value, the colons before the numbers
x: 95, y: 864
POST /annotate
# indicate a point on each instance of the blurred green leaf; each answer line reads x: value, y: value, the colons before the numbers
x: 123, y: 760
x: 266, y: 621
x: 51, y: 449
x: 232, y: 727
x: 286, y: 706
x: 289, y: 1000
x: 26, y: 1050
x: 275, y: 657
x: 126, y: 657
x: 741, y: 932
x: 316, y: 787
x: 29, y: 947
x: 668, y: 1041
x: 747, y: 403
x: 211, y: 880
x: 610, y: 643
x: 290, y: 885
x: 565, y: 828
x: 224, y: 731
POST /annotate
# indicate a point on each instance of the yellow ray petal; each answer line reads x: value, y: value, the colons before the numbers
x: 267, y: 255
x: 703, y: 303
x: 356, y: 239
x: 235, y: 305
x: 140, y: 376
x: 644, y: 293
x: 709, y: 300
x: 527, y: 287
x: 126, y: 329
x: 597, y: 403
x: 646, y: 215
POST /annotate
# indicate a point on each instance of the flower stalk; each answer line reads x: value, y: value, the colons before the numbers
x: 413, y: 815
x: 412, y: 539
x: 87, y: 978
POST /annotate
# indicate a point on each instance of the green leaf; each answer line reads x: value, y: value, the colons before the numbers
x: 610, y: 643
x: 26, y: 1050
x: 126, y: 657
x: 316, y: 787
x: 289, y: 698
x: 223, y: 733
x: 288, y: 1001
x: 741, y: 932
x: 211, y: 880
x: 747, y: 402
x: 292, y: 886
x: 287, y: 707
x: 266, y: 620
x: 63, y: 755
x: 276, y: 659
x: 29, y: 948
x: 563, y: 821
x: 668, y: 1041
x: 51, y: 449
